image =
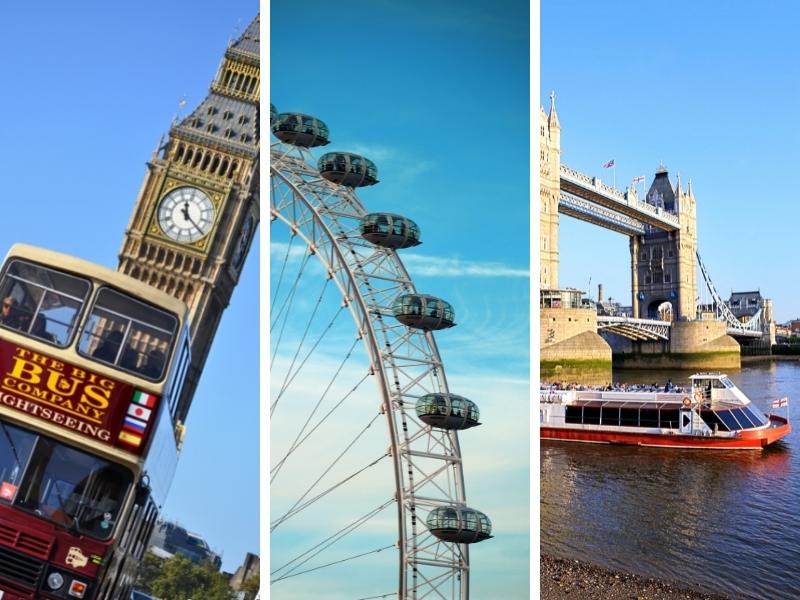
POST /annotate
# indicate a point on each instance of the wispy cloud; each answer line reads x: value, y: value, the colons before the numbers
x: 435, y: 266
x: 425, y: 265
x: 375, y: 153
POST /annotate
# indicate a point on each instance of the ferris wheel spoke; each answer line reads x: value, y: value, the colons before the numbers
x: 336, y: 562
x: 283, y: 269
x: 277, y: 313
x: 298, y: 441
x: 297, y: 508
x: 286, y: 305
x: 333, y: 463
x: 332, y: 410
x: 330, y: 540
x: 291, y: 376
x: 308, y: 327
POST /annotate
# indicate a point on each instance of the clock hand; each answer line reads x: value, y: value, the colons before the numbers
x: 187, y: 216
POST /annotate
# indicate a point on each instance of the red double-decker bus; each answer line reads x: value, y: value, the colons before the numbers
x: 91, y: 367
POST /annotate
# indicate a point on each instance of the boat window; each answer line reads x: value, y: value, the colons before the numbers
x: 41, y: 302
x: 743, y: 418
x: 756, y: 416
x: 573, y: 414
x: 728, y: 383
x: 711, y: 418
x: 629, y: 417
x: 591, y: 415
x: 648, y: 417
x: 729, y: 420
x: 669, y: 419
x: 128, y: 334
x: 610, y: 416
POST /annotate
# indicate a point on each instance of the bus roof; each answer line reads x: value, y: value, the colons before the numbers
x: 78, y: 266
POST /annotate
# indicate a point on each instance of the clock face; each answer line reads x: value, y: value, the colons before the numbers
x: 186, y: 214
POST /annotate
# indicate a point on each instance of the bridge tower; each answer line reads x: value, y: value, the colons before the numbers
x: 549, y: 191
x: 198, y: 207
x: 663, y: 272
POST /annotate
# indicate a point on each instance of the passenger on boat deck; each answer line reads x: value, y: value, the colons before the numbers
x: 669, y: 387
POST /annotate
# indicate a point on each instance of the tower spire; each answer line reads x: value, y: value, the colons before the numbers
x: 552, y: 119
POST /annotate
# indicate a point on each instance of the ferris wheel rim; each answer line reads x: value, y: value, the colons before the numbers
x: 405, y: 499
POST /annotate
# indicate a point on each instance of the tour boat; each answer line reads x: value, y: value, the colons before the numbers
x: 713, y: 414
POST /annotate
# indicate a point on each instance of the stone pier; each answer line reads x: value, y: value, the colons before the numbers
x: 571, y: 349
x: 693, y: 345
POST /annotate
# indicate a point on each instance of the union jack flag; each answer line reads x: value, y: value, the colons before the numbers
x: 780, y: 403
x: 609, y: 164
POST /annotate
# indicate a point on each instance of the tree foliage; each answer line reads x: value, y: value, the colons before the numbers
x: 250, y: 587
x: 177, y: 578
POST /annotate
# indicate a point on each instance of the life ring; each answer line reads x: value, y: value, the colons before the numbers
x: 687, y: 402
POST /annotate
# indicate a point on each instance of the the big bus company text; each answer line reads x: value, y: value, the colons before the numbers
x: 91, y: 366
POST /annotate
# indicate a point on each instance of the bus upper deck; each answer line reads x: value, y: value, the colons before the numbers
x: 76, y: 338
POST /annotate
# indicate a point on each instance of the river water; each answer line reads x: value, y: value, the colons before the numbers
x: 727, y: 521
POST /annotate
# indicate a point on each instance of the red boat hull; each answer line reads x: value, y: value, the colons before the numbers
x: 746, y: 440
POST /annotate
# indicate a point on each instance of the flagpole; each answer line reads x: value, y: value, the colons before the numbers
x: 614, y: 168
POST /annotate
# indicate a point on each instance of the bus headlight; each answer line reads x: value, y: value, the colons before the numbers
x: 77, y: 589
x: 55, y: 580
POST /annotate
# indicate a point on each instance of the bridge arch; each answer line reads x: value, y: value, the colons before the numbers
x: 661, y: 309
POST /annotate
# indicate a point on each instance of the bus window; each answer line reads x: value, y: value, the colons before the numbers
x: 15, y: 449
x: 74, y: 489
x: 128, y: 334
x: 41, y: 302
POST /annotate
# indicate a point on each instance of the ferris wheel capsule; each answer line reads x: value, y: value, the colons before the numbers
x: 300, y: 130
x: 461, y: 525
x: 447, y: 411
x: 347, y: 169
x: 423, y: 312
x: 390, y: 231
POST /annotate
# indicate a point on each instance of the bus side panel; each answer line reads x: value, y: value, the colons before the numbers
x: 162, y: 459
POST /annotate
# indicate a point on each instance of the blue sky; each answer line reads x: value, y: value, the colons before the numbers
x: 437, y: 95
x: 88, y: 90
x: 709, y: 89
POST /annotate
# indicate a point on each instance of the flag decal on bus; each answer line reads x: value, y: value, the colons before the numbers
x: 134, y: 410
x: 129, y: 438
x: 144, y: 399
x: 135, y: 424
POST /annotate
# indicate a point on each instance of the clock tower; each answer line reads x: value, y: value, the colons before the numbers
x: 198, y: 207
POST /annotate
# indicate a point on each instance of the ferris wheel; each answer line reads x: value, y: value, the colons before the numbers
x: 327, y: 245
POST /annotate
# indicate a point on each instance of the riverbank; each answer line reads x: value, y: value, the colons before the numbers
x: 770, y: 358
x: 563, y: 579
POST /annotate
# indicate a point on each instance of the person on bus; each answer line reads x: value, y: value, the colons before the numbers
x: 39, y: 329
x: 129, y: 358
x: 109, y: 347
x: 9, y: 315
x: 155, y: 364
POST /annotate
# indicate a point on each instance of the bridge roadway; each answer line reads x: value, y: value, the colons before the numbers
x: 589, y: 199
x: 654, y: 329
